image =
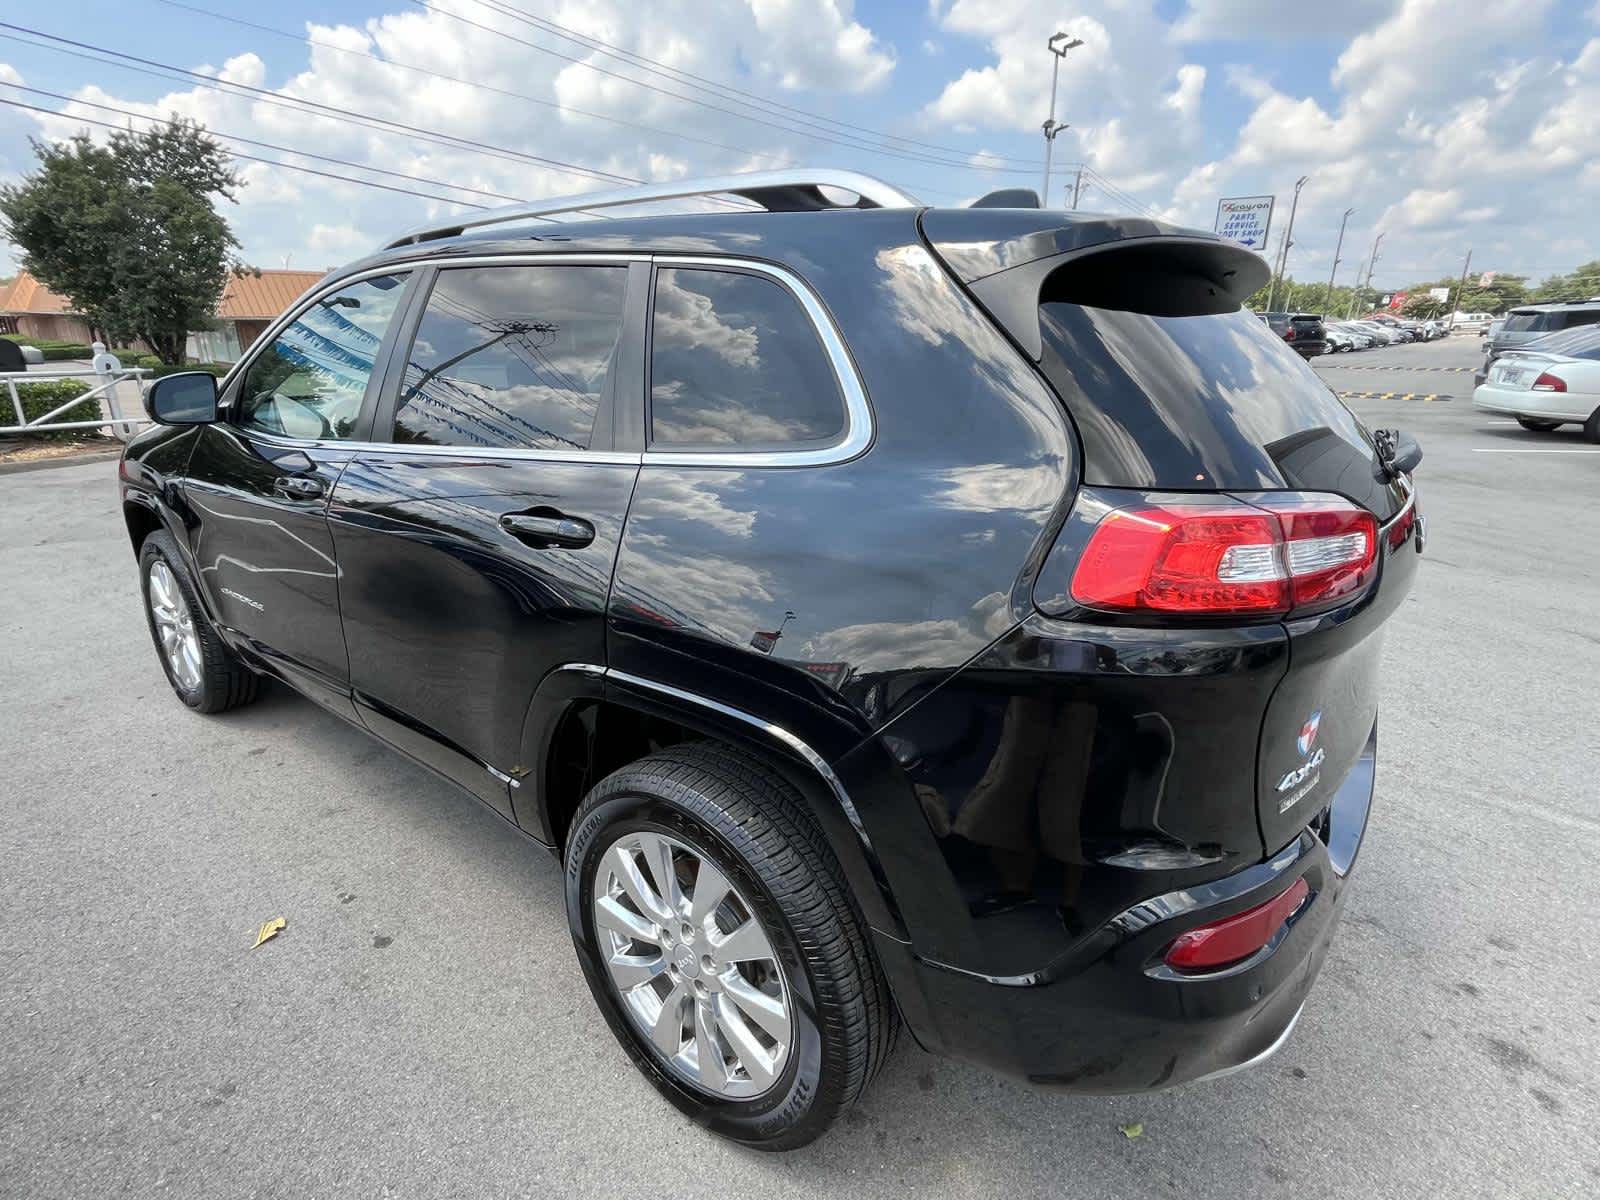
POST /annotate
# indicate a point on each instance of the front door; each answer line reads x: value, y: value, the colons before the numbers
x: 476, y: 545
x: 259, y: 481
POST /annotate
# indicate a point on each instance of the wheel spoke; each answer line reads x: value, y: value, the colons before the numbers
x: 742, y: 1040
x: 710, y: 889
x: 767, y: 1011
x: 630, y: 970
x: 622, y: 865
x: 716, y: 1030
x: 612, y: 915
x: 745, y: 944
x: 657, y: 854
x: 708, y: 1050
x: 667, y: 1031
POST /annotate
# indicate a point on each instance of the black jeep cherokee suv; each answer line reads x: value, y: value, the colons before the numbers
x: 967, y: 619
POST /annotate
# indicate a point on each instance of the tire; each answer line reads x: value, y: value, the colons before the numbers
x: 749, y: 824
x: 1591, y: 427
x: 203, y: 672
x: 1536, y: 426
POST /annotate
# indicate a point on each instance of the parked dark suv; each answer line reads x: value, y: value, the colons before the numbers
x: 1304, y: 331
x: 964, y: 619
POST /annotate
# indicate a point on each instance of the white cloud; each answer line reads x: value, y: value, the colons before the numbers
x: 1132, y: 102
x: 766, y: 46
x: 1447, y: 130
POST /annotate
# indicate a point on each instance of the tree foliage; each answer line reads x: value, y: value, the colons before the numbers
x: 127, y: 230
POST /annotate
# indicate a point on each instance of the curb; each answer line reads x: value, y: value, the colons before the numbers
x: 67, y: 460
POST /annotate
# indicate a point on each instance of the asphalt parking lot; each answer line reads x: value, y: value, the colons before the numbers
x: 421, y: 1027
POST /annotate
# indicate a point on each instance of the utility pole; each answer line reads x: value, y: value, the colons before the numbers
x: 1356, y: 299
x: 1058, y: 45
x: 1288, y: 241
x: 1327, y: 298
x: 1460, y: 291
x: 1077, y: 188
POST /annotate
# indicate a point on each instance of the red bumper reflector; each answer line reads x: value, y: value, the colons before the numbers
x: 1236, y: 938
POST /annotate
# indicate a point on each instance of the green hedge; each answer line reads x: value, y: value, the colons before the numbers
x: 39, y: 398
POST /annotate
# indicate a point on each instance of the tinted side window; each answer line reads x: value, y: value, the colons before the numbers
x: 308, y: 382
x: 736, y: 363
x: 513, y: 357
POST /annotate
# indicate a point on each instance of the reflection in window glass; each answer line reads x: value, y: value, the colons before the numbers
x: 512, y: 357
x: 735, y: 362
x: 1582, y: 342
x: 309, y: 382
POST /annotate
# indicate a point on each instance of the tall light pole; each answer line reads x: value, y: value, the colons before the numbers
x: 1461, y: 290
x: 1327, y: 297
x: 1363, y: 285
x: 1288, y: 240
x: 1058, y: 44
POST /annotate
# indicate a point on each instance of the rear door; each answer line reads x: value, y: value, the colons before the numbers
x: 476, y: 536
x: 259, y: 480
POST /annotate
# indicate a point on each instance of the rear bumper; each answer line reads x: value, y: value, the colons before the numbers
x: 1111, y: 1017
x: 1547, y: 406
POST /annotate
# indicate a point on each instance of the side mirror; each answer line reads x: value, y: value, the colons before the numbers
x: 1407, y: 454
x: 188, y: 398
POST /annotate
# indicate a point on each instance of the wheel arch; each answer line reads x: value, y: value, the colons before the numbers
x: 585, y: 722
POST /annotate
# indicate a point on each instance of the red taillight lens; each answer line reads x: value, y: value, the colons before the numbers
x: 1288, y: 334
x: 1201, y: 559
x: 1331, y: 549
x: 1234, y: 939
x: 1228, y: 558
x: 1549, y: 383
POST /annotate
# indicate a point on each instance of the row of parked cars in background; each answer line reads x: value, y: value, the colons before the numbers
x: 1311, y: 335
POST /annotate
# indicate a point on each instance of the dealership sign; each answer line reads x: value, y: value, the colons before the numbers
x: 1245, y: 219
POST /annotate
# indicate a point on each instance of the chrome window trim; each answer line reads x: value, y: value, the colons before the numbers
x: 858, y: 432
x: 859, y: 428
x: 324, y: 288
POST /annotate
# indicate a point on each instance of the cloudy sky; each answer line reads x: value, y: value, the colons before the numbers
x: 1447, y: 124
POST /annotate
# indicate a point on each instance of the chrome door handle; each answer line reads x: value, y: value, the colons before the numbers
x: 298, y: 487
x: 572, y: 532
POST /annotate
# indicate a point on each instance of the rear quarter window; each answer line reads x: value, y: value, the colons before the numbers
x: 735, y: 364
x: 1204, y: 403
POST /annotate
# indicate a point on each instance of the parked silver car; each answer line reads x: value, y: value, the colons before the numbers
x: 1522, y: 325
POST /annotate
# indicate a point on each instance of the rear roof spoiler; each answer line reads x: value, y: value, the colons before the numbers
x: 1013, y: 260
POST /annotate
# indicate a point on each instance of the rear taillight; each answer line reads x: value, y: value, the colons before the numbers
x: 1288, y: 334
x: 1549, y: 383
x: 1228, y: 558
x: 1234, y: 939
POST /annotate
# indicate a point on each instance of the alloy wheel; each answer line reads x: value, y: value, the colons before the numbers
x: 175, y: 629
x: 693, y: 966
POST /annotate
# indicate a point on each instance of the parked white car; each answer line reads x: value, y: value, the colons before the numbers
x: 1548, y: 383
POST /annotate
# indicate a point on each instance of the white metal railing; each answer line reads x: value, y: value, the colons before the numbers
x: 103, y: 392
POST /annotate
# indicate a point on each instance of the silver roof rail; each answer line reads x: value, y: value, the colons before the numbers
x: 792, y: 190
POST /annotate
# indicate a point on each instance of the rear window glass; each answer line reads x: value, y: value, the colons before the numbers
x: 1204, y: 403
x: 1583, y: 342
x: 1525, y: 322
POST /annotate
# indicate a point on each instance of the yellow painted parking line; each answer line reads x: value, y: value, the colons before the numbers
x: 1429, y: 396
x: 1321, y: 362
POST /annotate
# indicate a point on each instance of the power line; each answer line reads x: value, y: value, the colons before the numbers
x: 841, y: 140
x: 233, y: 137
x: 253, y: 158
x: 472, y: 83
x: 329, y: 112
x: 725, y: 90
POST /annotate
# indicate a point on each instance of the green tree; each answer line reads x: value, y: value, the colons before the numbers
x: 127, y: 230
x: 1583, y: 283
